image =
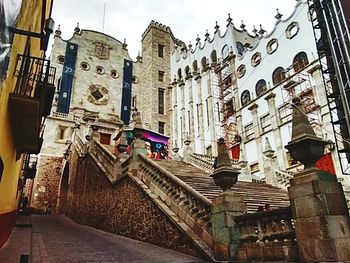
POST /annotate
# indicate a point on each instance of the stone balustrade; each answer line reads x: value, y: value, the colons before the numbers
x: 80, y: 145
x: 267, y: 235
x: 104, y: 158
x: 65, y: 116
x: 201, y: 161
x: 190, y: 206
x: 283, y: 177
x: 205, y: 162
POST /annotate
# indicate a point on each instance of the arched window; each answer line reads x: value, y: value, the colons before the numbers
x: 179, y: 73
x: 240, y: 48
x: 300, y: 61
x: 187, y: 71
x: 225, y: 51
x: 213, y: 56
x: 204, y: 63
x: 245, y: 98
x: 278, y: 76
x: 260, y: 87
x: 195, y: 66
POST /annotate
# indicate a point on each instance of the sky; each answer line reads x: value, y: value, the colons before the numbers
x: 186, y: 18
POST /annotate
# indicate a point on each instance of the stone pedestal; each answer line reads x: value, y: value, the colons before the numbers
x: 225, y: 233
x: 321, y: 217
x: 138, y: 146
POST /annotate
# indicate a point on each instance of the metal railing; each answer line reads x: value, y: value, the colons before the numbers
x: 32, y: 70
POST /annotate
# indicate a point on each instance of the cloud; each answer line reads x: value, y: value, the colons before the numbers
x: 129, y: 19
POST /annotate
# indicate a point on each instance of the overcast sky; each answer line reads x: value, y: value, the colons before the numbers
x: 186, y: 18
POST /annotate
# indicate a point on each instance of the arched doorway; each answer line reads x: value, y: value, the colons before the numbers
x: 63, y: 189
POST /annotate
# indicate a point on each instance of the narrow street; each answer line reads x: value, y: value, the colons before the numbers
x: 56, y: 238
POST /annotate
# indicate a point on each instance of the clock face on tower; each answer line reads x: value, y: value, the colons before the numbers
x: 98, y: 94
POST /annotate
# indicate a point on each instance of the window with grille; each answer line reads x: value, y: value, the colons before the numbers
x: 160, y: 50
x: 161, y: 101
x: 265, y: 122
x: 249, y: 131
x: 278, y: 76
x: 161, y: 127
x: 160, y: 76
x: 285, y: 113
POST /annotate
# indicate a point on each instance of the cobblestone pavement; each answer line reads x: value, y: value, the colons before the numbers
x: 56, y: 238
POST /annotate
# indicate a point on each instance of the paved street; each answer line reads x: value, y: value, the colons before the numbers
x: 56, y: 238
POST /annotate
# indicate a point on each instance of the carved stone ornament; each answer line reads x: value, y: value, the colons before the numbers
x: 98, y: 95
x: 102, y: 50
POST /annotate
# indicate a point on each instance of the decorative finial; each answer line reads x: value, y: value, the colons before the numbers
x: 77, y: 29
x: 58, y: 31
x: 304, y: 146
x: 278, y: 16
x: 216, y: 27
x: 139, y: 58
x: 198, y: 39
x: 255, y: 31
x: 261, y: 31
x: 229, y: 20
x: 124, y: 44
x: 224, y: 174
x: 207, y: 35
x: 187, y: 141
x: 242, y: 26
x: 190, y: 46
x: 268, y: 152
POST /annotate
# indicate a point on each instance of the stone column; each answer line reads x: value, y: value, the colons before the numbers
x: 200, y: 110
x: 317, y: 199
x: 183, y: 112
x: 280, y: 152
x: 227, y: 205
x: 259, y: 148
x: 211, y: 115
x: 175, y: 116
x: 191, y: 109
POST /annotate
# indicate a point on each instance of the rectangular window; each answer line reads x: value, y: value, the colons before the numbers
x: 161, y: 75
x: 265, y: 123
x: 285, y: 113
x: 105, y: 138
x: 133, y: 103
x: 161, y: 101
x: 161, y: 127
x: 209, y: 150
x: 249, y: 131
x: 218, y: 110
x: 189, y: 122
x: 160, y: 50
x: 62, y: 133
x: 198, y: 125
x: 207, y: 106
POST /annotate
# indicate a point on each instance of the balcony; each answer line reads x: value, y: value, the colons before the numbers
x: 30, y: 101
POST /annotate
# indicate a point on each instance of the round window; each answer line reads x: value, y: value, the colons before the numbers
x: 60, y: 59
x: 100, y: 70
x: 114, y: 74
x: 84, y: 66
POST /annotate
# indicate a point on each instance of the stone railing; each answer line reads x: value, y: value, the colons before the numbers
x: 80, y: 145
x: 204, y: 161
x: 283, y: 177
x: 104, y: 158
x: 266, y: 230
x: 65, y: 116
x: 200, y: 162
x: 190, y: 206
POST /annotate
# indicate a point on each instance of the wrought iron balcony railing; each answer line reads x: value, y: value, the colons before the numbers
x: 30, y: 71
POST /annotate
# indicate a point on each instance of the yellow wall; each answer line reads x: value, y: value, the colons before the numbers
x: 30, y: 20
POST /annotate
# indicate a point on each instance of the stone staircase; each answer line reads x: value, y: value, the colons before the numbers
x: 184, y: 193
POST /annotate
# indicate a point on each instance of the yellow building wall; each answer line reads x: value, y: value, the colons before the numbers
x: 30, y: 20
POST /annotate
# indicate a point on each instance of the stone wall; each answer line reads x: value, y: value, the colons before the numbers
x: 46, y: 183
x: 122, y: 209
